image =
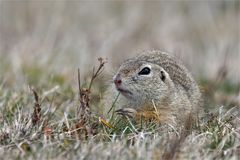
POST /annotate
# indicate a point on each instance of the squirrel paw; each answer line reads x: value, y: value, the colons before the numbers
x: 127, y: 112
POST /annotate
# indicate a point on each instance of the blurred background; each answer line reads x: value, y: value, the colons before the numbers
x: 46, y: 41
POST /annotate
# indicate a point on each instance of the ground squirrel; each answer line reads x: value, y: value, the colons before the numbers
x: 156, y: 85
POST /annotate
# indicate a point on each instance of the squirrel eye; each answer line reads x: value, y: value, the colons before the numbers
x: 145, y: 71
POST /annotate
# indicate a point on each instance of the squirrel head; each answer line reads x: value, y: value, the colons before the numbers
x: 141, y: 82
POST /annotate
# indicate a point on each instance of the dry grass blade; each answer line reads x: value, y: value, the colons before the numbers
x: 105, y: 123
x: 79, y: 83
x: 37, y: 109
x: 47, y: 130
x: 98, y: 72
x: 84, y: 111
x: 84, y: 94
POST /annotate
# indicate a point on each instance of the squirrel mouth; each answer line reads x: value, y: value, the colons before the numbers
x: 124, y: 92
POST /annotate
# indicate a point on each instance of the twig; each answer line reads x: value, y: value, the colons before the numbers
x: 84, y: 94
x: 98, y: 72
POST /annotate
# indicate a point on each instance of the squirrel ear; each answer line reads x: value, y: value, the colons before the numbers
x: 163, y: 76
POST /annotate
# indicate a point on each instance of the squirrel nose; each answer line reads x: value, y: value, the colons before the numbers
x: 117, y: 80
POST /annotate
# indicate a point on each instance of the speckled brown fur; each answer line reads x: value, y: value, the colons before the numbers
x: 171, y: 100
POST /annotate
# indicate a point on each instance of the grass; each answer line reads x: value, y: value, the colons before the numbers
x: 56, y: 124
